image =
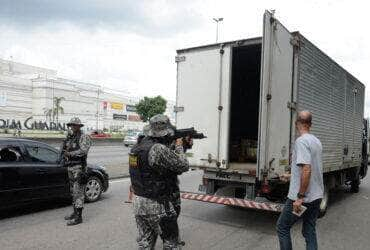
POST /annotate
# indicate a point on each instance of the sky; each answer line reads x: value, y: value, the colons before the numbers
x: 131, y: 45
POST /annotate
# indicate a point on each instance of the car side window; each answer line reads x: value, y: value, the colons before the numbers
x: 42, y: 154
x: 9, y: 154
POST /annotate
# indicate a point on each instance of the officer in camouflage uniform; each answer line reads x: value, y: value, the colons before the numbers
x: 75, y: 149
x: 169, y: 225
x: 152, y: 163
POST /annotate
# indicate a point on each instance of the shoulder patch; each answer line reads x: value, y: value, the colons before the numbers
x: 133, y: 161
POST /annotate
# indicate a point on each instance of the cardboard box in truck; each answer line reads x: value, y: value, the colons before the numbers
x: 244, y: 95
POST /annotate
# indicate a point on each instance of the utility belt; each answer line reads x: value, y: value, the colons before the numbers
x: 74, y: 163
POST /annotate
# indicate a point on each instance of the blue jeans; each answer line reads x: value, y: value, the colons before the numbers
x: 287, y: 219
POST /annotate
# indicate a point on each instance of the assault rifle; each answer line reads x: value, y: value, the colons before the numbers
x: 66, y: 161
x: 190, y: 133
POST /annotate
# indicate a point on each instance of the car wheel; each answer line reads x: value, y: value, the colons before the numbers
x: 324, y: 202
x: 126, y: 145
x: 93, y: 189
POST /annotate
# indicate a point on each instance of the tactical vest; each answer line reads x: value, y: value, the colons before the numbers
x: 73, y: 144
x: 146, y: 181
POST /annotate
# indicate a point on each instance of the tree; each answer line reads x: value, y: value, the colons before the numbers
x: 48, y: 113
x: 58, y: 109
x: 55, y: 111
x: 151, y: 106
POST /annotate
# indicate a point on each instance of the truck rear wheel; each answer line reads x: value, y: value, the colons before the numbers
x: 355, y: 186
x: 324, y: 202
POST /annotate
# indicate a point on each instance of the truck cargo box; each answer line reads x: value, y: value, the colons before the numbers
x: 244, y: 95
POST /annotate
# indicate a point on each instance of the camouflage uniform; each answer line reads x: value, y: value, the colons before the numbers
x: 74, y: 172
x: 169, y: 224
x: 150, y: 214
x: 75, y: 149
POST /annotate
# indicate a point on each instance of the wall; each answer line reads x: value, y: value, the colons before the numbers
x: 29, y: 91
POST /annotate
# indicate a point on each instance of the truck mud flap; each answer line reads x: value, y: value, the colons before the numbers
x: 268, y: 206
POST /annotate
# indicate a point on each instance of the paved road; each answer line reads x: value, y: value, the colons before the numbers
x: 114, y: 157
x: 109, y: 224
x: 108, y: 155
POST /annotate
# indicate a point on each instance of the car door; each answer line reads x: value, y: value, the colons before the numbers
x: 52, y: 177
x: 13, y: 188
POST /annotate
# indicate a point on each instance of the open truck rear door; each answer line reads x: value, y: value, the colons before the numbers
x: 204, y: 72
x: 276, y: 98
x: 275, y: 113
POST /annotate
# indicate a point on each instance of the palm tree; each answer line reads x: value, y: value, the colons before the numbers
x: 48, y: 113
x: 58, y: 109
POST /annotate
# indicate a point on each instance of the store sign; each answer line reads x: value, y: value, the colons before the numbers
x: 119, y: 117
x: 3, y: 99
x: 116, y: 105
x: 29, y: 124
x: 130, y: 108
x: 134, y: 118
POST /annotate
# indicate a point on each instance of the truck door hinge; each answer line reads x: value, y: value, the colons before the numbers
x: 220, y: 108
x: 178, y: 109
x: 180, y: 59
x: 296, y: 41
x: 268, y: 97
x: 292, y: 105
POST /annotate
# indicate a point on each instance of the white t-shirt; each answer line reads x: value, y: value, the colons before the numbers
x: 308, y: 151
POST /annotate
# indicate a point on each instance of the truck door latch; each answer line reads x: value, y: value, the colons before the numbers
x: 292, y: 105
x: 180, y: 59
x: 178, y: 109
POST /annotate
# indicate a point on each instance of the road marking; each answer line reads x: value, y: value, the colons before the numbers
x: 119, y: 180
x: 126, y: 179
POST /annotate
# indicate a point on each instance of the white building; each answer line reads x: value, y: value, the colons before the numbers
x: 28, y: 91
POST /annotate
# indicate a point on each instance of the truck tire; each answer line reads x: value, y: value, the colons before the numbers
x: 355, y: 185
x: 324, y: 202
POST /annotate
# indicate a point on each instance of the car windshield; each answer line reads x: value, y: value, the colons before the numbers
x: 133, y: 133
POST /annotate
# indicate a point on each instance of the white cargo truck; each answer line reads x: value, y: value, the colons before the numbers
x: 244, y: 95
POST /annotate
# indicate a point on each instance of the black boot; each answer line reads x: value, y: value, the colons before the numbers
x: 77, y: 219
x: 70, y: 217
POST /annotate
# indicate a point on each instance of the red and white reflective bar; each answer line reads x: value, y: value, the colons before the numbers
x: 275, y: 207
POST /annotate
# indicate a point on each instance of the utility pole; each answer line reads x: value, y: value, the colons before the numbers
x: 97, y: 108
x: 217, y: 20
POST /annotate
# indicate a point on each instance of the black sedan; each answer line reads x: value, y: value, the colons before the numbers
x: 33, y: 171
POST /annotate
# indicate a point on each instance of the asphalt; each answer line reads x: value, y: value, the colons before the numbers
x: 109, y: 224
x: 113, y: 157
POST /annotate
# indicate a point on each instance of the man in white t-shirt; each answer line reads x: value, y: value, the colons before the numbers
x: 306, y: 186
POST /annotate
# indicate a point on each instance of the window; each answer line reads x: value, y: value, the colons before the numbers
x: 133, y: 133
x: 41, y: 154
x: 9, y: 154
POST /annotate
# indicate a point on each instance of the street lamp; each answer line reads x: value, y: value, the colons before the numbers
x: 217, y: 20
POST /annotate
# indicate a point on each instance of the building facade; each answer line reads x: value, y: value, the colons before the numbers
x: 32, y: 94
